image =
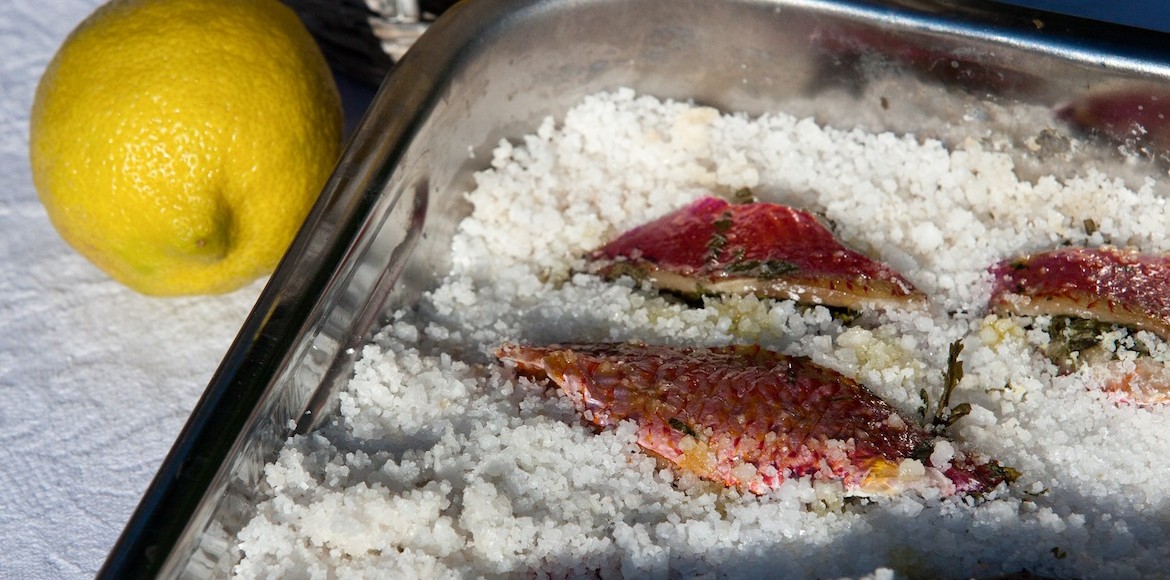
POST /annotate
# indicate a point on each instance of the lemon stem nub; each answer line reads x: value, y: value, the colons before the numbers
x: 204, y: 240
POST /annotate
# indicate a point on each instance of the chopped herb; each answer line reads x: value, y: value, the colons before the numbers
x: 1090, y: 226
x: 623, y: 267
x: 715, y: 247
x: 1007, y: 387
x: 923, y: 451
x: 740, y: 266
x: 766, y: 269
x: 777, y: 268
x: 678, y: 425
x: 954, y: 372
x: 843, y: 315
x: 944, y: 415
x: 743, y: 195
x: 957, y: 412
x: 620, y: 268
x: 718, y: 239
x: 724, y: 223
x: 1008, y: 474
x: 1073, y: 341
x: 1075, y: 334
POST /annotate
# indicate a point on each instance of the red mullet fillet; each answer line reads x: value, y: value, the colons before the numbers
x: 1110, y: 285
x: 773, y: 251
x: 748, y: 417
x: 1123, y: 287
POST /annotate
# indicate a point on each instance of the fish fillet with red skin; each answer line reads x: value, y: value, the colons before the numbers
x: 1112, y: 285
x: 745, y: 416
x: 1138, y: 115
x: 767, y: 249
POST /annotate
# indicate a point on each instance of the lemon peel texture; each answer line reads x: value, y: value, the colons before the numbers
x: 179, y: 144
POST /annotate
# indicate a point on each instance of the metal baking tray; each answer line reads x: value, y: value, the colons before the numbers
x: 490, y: 69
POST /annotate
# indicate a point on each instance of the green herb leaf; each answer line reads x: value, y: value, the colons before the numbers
x: 678, y: 425
x: 1090, y: 226
x: 724, y: 223
x: 951, y: 377
x: 743, y: 195
x: 767, y: 269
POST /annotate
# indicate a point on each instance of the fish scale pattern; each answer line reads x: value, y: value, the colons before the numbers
x: 740, y: 415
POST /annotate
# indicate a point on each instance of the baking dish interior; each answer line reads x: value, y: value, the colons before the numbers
x: 493, y: 69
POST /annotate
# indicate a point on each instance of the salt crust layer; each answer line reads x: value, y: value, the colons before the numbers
x: 443, y: 464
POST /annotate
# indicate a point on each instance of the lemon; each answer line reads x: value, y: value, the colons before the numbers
x: 179, y: 144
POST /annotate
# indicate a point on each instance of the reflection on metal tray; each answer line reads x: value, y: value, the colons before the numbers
x: 492, y: 69
x: 364, y: 38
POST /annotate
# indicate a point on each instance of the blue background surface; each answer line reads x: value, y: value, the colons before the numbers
x: 1150, y: 14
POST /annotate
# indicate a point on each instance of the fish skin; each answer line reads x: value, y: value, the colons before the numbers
x: 1132, y: 115
x: 1113, y: 285
x: 745, y: 416
x: 1116, y: 286
x: 767, y: 249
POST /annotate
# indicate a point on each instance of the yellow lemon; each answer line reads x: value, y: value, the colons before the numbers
x: 179, y: 144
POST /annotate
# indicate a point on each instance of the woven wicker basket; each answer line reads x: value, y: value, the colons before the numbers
x: 363, y: 38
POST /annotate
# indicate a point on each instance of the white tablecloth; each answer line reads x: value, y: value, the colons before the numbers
x: 95, y: 380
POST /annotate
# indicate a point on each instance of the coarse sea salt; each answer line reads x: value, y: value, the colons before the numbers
x: 441, y: 463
